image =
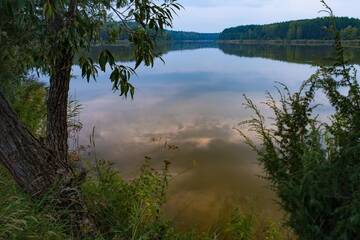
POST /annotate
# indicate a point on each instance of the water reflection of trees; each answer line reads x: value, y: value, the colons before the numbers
x: 124, y: 53
x: 315, y: 55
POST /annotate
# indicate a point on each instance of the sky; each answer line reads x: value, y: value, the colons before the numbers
x: 216, y: 15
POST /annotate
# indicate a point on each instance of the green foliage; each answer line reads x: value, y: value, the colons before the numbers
x: 21, y: 218
x: 27, y: 96
x: 61, y: 29
x: 314, y: 166
x: 190, y: 36
x: 241, y: 226
x: 250, y: 225
x: 311, y: 29
x: 30, y: 105
x: 113, y: 31
x: 17, y: 44
x: 122, y: 209
x: 273, y: 232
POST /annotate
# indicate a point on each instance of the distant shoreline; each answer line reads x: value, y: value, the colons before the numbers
x: 346, y: 43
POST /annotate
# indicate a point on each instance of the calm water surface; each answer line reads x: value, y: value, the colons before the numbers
x: 194, y: 101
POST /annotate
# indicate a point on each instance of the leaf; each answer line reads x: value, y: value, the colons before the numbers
x: 111, y: 58
x: 132, y: 91
x: 103, y: 60
x: 48, y: 9
x: 139, y: 61
x: 115, y: 75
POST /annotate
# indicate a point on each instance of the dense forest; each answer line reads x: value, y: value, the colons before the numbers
x: 191, y: 36
x: 308, y: 29
x: 314, y: 29
x: 115, y: 31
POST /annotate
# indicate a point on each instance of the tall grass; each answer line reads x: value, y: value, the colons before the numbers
x: 23, y: 218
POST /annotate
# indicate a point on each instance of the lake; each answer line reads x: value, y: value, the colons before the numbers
x: 185, y: 111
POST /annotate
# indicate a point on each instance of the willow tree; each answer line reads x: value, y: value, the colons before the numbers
x: 50, y: 33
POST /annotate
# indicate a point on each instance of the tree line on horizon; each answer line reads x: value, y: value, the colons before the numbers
x: 114, y: 31
x: 309, y: 29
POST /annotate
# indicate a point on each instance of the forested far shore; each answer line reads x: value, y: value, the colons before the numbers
x: 113, y: 31
x: 300, y: 42
x: 299, y: 32
x: 308, y: 29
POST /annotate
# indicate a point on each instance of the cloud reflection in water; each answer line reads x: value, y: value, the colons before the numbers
x: 193, y: 102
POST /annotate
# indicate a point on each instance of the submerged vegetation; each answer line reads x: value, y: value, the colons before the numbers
x: 121, y: 210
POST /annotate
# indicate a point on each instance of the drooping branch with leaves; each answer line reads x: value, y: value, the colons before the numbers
x: 45, y: 36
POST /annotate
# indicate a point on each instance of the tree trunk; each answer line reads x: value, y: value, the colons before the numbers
x: 57, y: 129
x: 33, y: 166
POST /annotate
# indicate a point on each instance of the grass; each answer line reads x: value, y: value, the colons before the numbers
x: 23, y: 218
x: 122, y: 210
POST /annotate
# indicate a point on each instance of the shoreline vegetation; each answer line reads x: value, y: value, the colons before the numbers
x: 305, y: 42
x: 120, y: 209
x: 278, y: 42
x: 306, y: 32
x: 309, y: 29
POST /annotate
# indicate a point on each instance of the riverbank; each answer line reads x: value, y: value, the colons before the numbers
x: 119, y: 209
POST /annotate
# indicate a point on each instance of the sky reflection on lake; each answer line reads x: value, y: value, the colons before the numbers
x: 193, y: 101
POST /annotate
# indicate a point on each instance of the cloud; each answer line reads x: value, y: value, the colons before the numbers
x: 215, y: 15
x: 216, y: 3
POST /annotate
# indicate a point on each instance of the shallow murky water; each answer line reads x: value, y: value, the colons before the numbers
x: 184, y: 112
